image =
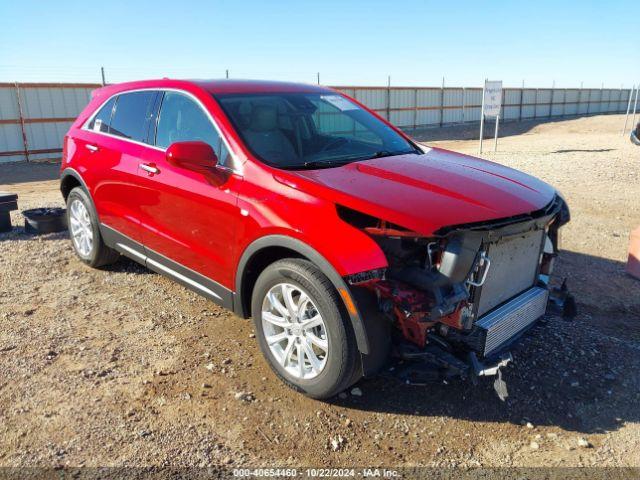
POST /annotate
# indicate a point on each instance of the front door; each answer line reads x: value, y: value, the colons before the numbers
x: 189, y: 224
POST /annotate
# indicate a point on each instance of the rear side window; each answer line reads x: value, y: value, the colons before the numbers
x: 100, y: 123
x: 131, y: 116
x: 183, y: 120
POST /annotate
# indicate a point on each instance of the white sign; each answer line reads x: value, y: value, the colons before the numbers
x: 492, y: 99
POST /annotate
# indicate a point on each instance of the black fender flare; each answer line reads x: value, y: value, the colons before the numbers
x: 322, y: 263
x: 70, y: 172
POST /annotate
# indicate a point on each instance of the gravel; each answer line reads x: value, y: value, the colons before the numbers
x: 80, y: 350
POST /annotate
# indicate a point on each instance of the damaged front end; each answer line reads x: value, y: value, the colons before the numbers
x: 458, y: 299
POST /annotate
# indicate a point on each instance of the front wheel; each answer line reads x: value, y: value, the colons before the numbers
x: 302, y: 330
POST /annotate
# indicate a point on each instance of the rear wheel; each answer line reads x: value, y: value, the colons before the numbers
x: 85, y: 231
x: 303, y: 333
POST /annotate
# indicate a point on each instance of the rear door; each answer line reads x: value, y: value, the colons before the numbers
x: 189, y: 224
x: 118, y: 148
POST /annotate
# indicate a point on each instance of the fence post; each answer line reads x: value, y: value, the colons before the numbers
x: 389, y: 98
x: 442, y: 103
x: 589, y: 102
x: 564, y: 103
x: 626, y: 117
x: 464, y: 94
x: 415, y: 108
x: 521, y: 100
x: 22, y: 128
x: 553, y: 89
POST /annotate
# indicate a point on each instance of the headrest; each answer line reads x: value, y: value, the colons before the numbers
x: 264, y: 118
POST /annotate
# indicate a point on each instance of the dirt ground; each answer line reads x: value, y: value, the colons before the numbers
x: 122, y: 367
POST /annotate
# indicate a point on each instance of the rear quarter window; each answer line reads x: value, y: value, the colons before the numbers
x: 100, y: 122
x: 131, y: 114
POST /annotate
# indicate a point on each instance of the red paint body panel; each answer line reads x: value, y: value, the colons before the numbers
x: 206, y: 227
x: 427, y: 192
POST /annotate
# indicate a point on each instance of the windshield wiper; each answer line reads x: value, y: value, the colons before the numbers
x: 321, y: 164
x: 387, y: 153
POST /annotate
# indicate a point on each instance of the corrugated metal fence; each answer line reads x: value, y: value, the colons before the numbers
x: 35, y: 116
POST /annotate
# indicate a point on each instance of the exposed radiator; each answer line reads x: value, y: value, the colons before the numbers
x: 502, y: 324
x: 514, y: 264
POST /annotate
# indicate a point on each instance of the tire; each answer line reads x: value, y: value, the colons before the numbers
x: 44, y: 220
x: 93, y: 252
x: 339, y: 363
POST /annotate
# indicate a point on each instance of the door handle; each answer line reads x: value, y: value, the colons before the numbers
x: 91, y: 148
x: 150, y: 168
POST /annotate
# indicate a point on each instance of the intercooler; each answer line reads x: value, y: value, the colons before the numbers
x: 508, y: 301
x: 499, y: 326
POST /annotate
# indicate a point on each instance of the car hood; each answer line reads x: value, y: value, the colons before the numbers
x: 427, y: 192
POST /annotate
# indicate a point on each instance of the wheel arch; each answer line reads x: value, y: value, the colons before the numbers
x: 69, y: 179
x: 268, y: 249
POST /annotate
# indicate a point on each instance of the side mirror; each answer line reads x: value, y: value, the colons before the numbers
x: 196, y: 156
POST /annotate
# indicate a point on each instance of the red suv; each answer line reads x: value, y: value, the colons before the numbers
x: 293, y: 204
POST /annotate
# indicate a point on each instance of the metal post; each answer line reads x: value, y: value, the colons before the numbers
x: 624, y: 129
x: 495, y: 135
x: 104, y: 82
x: 463, y: 102
x: 226, y: 73
x: 521, y: 99
x: 22, y: 128
x: 619, y: 97
x: 482, y: 115
x: 553, y: 89
x: 389, y: 98
x: 318, y: 78
x: 415, y: 108
x: 589, y: 102
x: 635, y: 104
x: 564, y: 102
x: 442, y: 103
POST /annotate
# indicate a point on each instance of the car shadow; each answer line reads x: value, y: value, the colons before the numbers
x: 581, y: 375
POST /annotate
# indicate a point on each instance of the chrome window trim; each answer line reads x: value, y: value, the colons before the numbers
x: 237, y: 166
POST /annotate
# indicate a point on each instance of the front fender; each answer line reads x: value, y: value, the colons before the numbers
x: 303, y: 249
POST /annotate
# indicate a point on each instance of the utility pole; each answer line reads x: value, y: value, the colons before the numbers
x: 104, y: 82
x: 227, y: 73
x: 318, y: 78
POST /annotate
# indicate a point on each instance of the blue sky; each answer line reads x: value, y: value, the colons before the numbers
x: 358, y: 42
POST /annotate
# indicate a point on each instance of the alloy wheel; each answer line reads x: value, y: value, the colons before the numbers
x: 80, y: 228
x: 295, y: 331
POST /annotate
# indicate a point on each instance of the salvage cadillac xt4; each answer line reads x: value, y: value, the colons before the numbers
x: 345, y: 241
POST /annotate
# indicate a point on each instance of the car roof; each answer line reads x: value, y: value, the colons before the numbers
x: 220, y: 86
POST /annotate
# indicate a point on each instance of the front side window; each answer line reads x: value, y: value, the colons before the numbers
x: 131, y: 115
x: 310, y: 130
x: 100, y: 122
x: 183, y: 120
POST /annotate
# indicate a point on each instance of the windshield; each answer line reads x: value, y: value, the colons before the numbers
x: 310, y: 130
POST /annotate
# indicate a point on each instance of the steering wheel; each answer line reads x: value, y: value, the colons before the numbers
x: 334, y: 143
